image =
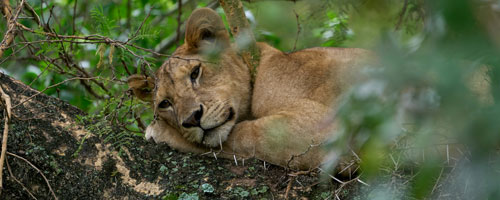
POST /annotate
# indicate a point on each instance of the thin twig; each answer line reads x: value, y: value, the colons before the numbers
x: 347, y: 167
x: 12, y: 54
x: 74, y: 16
x: 90, y: 39
x: 401, y: 15
x: 55, y: 85
x: 331, y: 176
x: 179, y: 14
x: 161, y: 18
x: 38, y: 170
x: 289, y: 186
x: 8, y: 107
x: 32, y: 12
x: 437, y: 181
x: 299, y: 28
x: 140, y: 26
x: 129, y: 12
x: 19, y: 182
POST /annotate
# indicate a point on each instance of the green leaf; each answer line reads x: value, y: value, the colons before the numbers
x: 185, y: 196
x: 207, y: 188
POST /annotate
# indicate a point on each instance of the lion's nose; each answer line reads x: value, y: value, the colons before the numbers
x: 194, y: 119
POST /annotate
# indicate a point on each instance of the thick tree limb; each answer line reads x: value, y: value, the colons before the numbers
x: 242, y: 33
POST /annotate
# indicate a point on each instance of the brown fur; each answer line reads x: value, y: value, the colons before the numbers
x: 282, y: 121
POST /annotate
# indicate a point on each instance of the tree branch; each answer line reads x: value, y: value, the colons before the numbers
x: 299, y: 28
x: 179, y: 22
x: 242, y: 33
x: 8, y: 107
x: 55, y: 85
x: 401, y: 15
x: 11, y: 24
x: 38, y: 170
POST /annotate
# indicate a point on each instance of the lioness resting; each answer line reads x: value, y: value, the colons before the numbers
x: 202, y: 104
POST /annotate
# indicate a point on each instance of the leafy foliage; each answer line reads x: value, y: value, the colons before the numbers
x: 102, y: 24
x: 430, y: 94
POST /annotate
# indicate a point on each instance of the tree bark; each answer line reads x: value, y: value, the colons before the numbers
x: 242, y: 33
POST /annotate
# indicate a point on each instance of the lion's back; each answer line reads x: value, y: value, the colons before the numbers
x: 317, y: 74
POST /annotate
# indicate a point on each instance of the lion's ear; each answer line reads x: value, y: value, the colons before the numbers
x: 142, y: 87
x: 206, y: 31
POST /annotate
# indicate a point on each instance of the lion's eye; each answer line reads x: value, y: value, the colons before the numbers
x: 195, y: 73
x: 164, y: 104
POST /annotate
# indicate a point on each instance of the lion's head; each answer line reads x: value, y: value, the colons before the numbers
x: 204, y: 87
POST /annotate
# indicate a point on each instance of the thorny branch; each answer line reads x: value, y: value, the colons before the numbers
x: 342, y: 183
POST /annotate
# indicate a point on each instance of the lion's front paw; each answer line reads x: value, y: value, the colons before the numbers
x: 215, y: 137
x: 150, y: 133
x: 157, y: 131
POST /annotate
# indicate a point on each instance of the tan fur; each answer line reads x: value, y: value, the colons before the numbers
x: 282, y: 121
x: 141, y: 86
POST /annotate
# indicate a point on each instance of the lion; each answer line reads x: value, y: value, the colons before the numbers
x: 204, y: 104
